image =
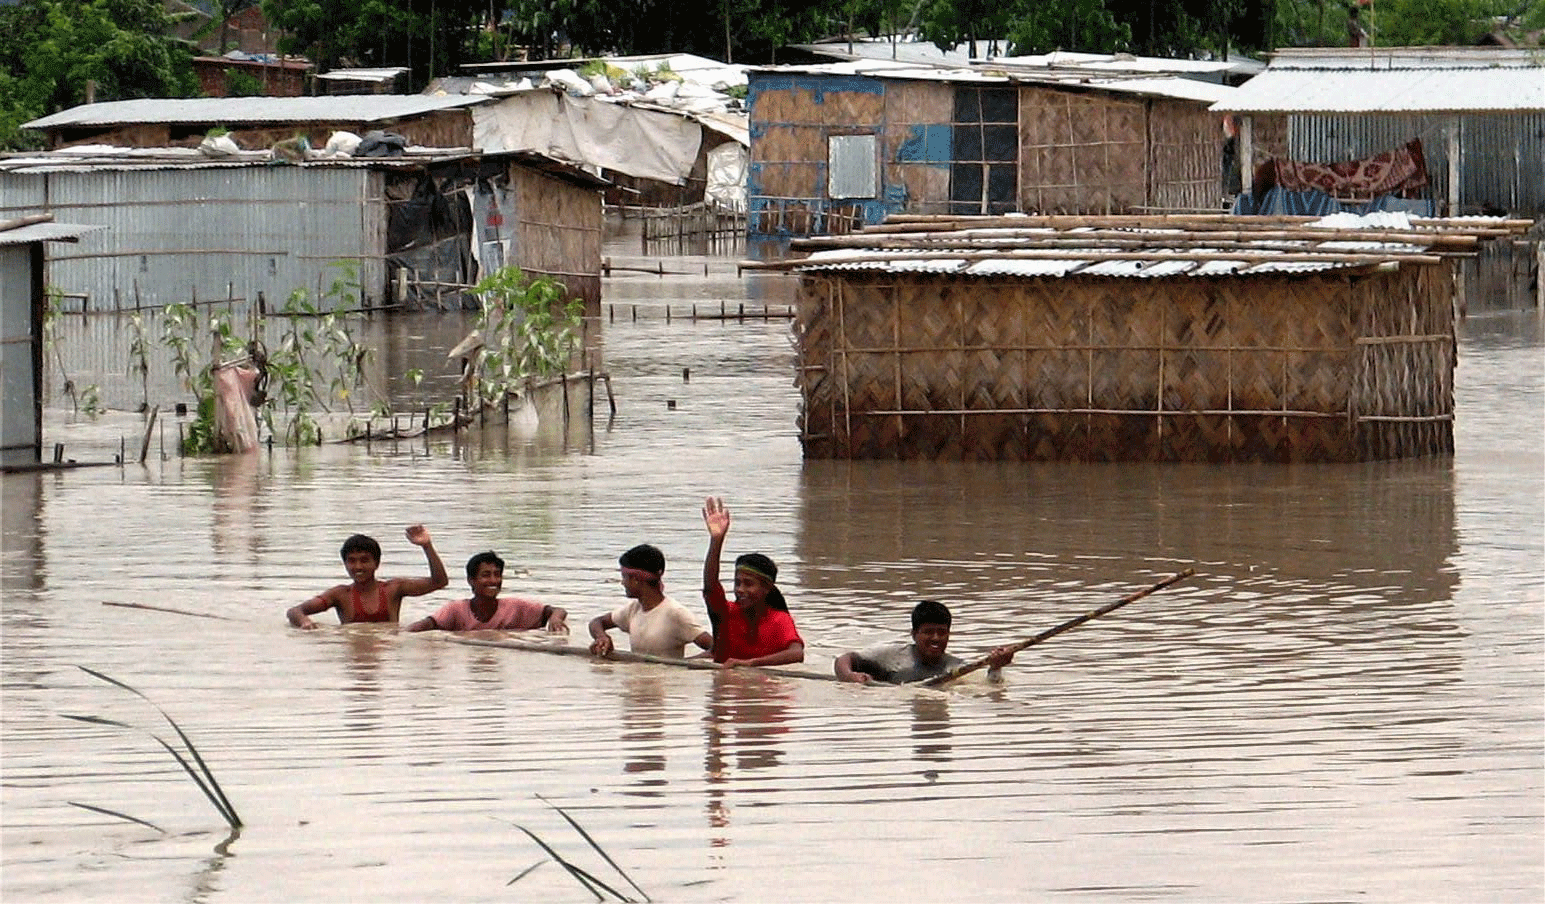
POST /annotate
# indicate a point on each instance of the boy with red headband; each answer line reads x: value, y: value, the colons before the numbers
x: 756, y: 627
x: 655, y: 623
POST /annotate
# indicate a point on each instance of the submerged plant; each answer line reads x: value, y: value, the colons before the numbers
x: 203, y: 777
x: 592, y: 884
x: 88, y: 397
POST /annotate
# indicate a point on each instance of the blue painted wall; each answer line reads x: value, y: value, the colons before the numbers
x: 771, y: 217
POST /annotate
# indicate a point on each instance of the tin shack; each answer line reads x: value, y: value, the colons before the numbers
x: 1201, y: 338
x: 22, y: 311
x: 1477, y: 116
x: 419, y: 223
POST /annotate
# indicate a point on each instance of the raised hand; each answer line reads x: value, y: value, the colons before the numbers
x: 716, y: 517
x: 418, y: 535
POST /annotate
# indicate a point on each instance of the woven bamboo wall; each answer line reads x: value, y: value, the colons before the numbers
x: 558, y: 232
x: 1187, y: 369
x: 911, y: 106
x: 1081, y: 153
x: 1186, y: 156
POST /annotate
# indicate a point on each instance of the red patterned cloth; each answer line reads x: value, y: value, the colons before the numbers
x: 1402, y: 171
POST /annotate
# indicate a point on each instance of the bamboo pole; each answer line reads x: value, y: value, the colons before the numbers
x: 1243, y: 257
x: 1068, y: 625
x: 1147, y: 412
x: 19, y: 222
x: 170, y: 610
x: 1294, y: 239
x: 702, y: 665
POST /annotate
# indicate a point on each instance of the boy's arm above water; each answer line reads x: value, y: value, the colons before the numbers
x: 848, y: 667
x: 601, y: 642
x: 427, y: 623
x: 300, y: 616
x: 792, y: 654
x: 717, y: 519
x: 418, y: 535
x: 556, y: 618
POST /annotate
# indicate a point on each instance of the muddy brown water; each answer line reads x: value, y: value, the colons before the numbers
x: 1345, y: 704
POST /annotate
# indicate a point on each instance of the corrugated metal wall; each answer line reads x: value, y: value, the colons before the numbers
x: 19, y: 439
x: 177, y: 234
x: 1503, y: 162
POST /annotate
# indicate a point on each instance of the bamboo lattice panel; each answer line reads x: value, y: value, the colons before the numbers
x: 1185, y: 369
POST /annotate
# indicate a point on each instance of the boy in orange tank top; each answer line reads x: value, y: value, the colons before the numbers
x: 367, y: 599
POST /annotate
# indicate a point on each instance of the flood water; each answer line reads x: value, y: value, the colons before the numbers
x: 1346, y: 703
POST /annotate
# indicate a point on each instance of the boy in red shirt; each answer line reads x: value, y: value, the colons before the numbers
x: 756, y: 628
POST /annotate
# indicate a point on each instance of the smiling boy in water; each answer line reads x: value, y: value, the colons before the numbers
x: 921, y: 659
x: 367, y: 599
x: 486, y: 610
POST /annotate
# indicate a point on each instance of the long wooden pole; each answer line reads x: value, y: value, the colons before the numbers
x: 1068, y: 625
x: 625, y: 656
x: 170, y: 609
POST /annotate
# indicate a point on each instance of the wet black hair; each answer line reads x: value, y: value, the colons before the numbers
x: 360, y: 543
x: 762, y: 564
x: 481, y: 559
x: 930, y: 612
x: 645, y: 558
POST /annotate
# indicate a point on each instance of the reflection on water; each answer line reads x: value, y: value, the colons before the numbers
x: 1346, y: 698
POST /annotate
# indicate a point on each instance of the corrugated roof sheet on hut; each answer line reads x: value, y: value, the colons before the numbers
x: 188, y: 227
x: 1130, y: 339
x: 839, y: 146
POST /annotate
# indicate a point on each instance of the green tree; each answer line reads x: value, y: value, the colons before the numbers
x: 51, y: 49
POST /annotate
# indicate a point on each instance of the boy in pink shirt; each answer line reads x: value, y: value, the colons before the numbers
x: 486, y: 610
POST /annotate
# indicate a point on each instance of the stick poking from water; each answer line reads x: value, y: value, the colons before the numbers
x: 171, y: 610
x: 1049, y: 633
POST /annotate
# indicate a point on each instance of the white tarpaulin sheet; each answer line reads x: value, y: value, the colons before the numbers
x: 642, y: 143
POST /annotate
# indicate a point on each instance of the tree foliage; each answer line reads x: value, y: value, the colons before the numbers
x: 51, y: 49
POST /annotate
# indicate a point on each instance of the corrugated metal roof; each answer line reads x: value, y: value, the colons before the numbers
x: 1123, y: 62
x: 1174, y: 87
x: 45, y: 232
x: 361, y: 108
x: 886, y: 69
x: 1138, y: 247
x: 1463, y: 90
x: 902, y: 51
x: 105, y: 158
x: 1392, y: 58
x: 363, y: 75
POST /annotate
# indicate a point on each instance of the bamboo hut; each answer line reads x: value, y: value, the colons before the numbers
x: 836, y: 148
x: 1201, y: 338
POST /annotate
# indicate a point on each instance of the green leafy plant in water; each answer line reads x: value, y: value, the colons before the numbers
x: 318, y: 361
x: 88, y: 398
x: 529, y: 331
x: 90, y: 402
x: 179, y: 333
x: 203, y: 777
x: 139, y: 357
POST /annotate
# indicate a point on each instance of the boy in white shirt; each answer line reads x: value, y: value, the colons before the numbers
x: 655, y: 623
